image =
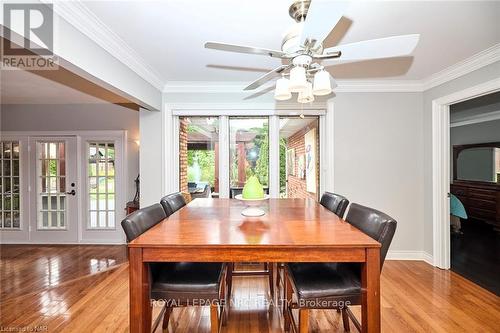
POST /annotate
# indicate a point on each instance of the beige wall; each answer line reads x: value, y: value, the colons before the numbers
x: 378, y: 145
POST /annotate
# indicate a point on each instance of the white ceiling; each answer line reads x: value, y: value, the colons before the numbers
x: 21, y: 87
x: 169, y: 35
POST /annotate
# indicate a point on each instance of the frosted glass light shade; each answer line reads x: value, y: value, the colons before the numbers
x: 306, y: 96
x: 322, y: 84
x: 298, y: 81
x: 282, y: 93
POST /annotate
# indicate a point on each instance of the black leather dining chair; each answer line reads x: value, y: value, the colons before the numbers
x: 173, y: 202
x: 335, y: 285
x: 180, y: 283
x: 335, y: 203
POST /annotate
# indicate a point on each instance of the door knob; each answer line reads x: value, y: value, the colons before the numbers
x: 73, y: 192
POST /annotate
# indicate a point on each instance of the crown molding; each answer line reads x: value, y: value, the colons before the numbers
x: 378, y: 86
x: 481, y: 118
x: 83, y: 19
x: 477, y: 61
x: 206, y: 87
x: 343, y: 86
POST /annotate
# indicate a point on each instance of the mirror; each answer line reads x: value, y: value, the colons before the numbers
x: 478, y: 162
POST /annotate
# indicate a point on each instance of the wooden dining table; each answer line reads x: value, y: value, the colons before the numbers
x: 213, y: 230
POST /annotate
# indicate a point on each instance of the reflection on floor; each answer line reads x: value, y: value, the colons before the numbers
x: 475, y: 254
x: 415, y: 297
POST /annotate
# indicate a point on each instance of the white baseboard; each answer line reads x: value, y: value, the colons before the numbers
x: 410, y: 255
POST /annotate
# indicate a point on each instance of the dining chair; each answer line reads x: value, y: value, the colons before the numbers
x: 335, y: 285
x: 180, y: 283
x: 335, y: 203
x: 206, y: 193
x: 173, y: 202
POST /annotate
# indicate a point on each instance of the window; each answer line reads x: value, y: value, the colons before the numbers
x: 248, y: 152
x: 101, y: 185
x: 51, y: 185
x: 9, y: 185
x: 199, y: 155
x: 299, y: 157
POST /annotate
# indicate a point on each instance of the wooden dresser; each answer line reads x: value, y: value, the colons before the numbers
x: 481, y: 200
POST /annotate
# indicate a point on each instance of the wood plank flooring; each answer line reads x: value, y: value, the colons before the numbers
x: 74, y: 297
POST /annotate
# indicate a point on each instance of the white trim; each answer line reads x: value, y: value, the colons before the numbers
x: 481, y: 118
x: 224, y: 181
x: 409, y: 255
x: 475, y: 62
x: 379, y: 86
x: 274, y: 156
x: 243, y: 109
x: 327, y: 143
x: 79, y: 16
x: 441, y: 167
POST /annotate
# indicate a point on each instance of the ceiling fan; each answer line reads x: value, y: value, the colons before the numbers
x: 303, y: 49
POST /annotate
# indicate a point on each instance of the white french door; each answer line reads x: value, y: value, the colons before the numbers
x: 54, y: 189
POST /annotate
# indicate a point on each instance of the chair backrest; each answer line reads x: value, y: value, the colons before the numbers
x: 141, y: 220
x: 375, y: 224
x: 207, y: 191
x: 173, y: 202
x: 335, y: 203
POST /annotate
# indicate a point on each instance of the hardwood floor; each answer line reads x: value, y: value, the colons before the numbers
x: 64, y: 289
x: 474, y: 254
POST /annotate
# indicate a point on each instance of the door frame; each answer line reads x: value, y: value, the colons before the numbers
x: 441, y: 167
x: 98, y: 236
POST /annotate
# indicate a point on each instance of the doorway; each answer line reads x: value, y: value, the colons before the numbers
x: 475, y: 190
x: 441, y: 167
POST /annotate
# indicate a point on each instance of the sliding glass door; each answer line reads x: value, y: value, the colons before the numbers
x: 199, y: 156
x: 299, y: 157
x: 248, y: 152
x: 217, y: 155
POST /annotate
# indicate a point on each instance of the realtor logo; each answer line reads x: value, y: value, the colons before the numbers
x: 28, y: 41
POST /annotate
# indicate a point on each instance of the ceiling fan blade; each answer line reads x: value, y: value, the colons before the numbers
x: 266, y: 77
x: 244, y: 49
x: 388, y: 47
x: 321, y: 18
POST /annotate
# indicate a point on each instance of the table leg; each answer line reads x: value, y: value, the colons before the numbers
x: 140, y: 305
x: 370, y: 283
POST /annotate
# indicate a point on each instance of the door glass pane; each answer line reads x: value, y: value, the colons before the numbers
x: 199, y: 156
x: 248, y: 152
x: 10, y: 195
x: 51, y: 173
x: 101, y: 184
x: 299, y: 157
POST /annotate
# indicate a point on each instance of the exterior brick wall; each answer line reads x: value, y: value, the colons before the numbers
x: 296, y: 185
x: 183, y: 162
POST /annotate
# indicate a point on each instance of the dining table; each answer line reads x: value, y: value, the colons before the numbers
x: 214, y: 230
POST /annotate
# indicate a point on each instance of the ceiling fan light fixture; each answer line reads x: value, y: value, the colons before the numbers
x: 298, y: 81
x: 306, y: 96
x: 322, y: 84
x: 282, y: 92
